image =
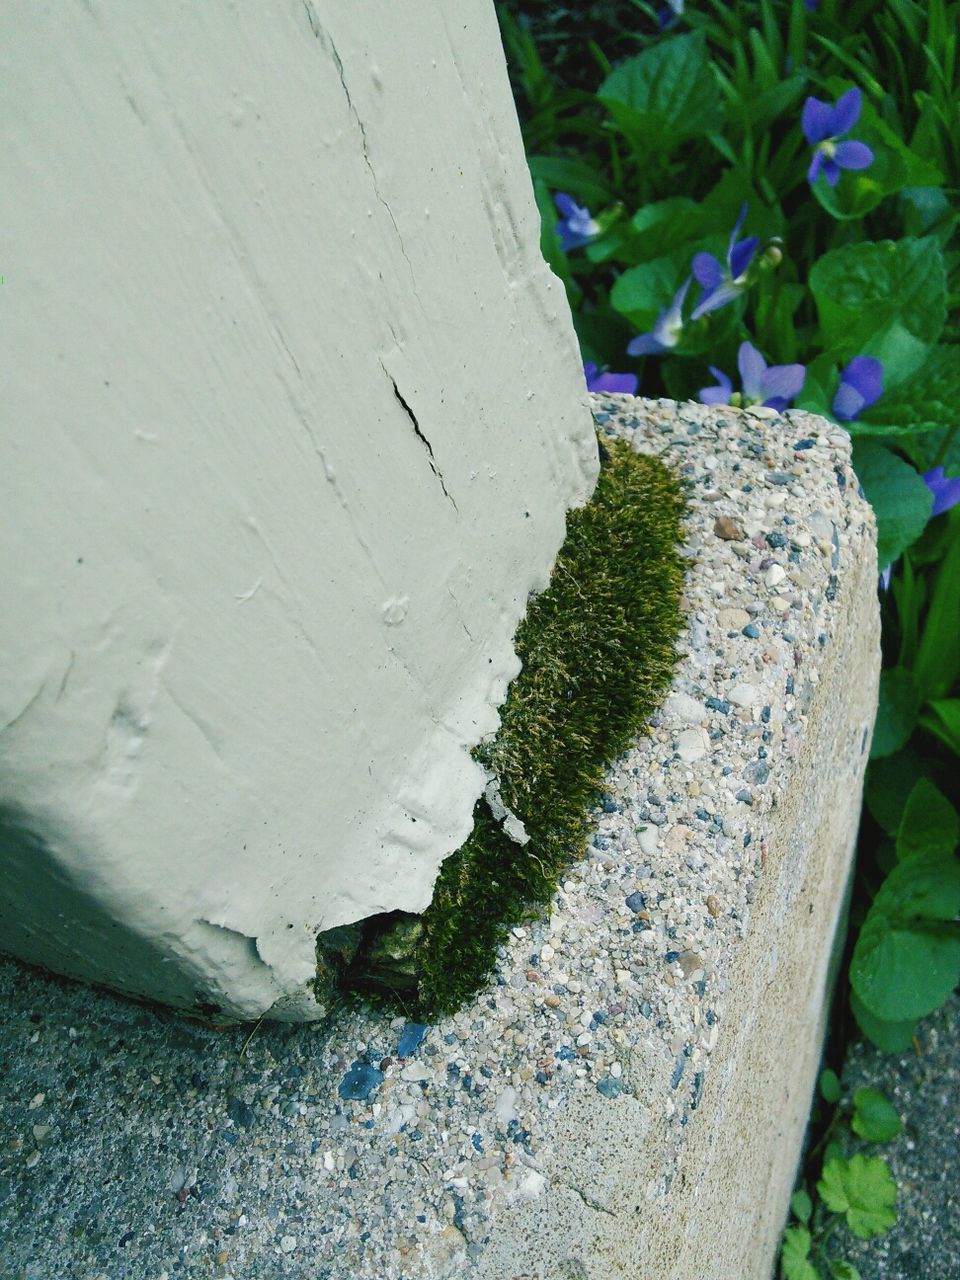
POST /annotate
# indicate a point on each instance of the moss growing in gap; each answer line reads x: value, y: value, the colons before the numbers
x: 598, y: 650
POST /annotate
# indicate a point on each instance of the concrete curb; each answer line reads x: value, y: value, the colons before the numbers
x: 628, y: 1097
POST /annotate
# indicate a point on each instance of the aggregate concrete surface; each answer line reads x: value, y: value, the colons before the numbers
x: 628, y: 1094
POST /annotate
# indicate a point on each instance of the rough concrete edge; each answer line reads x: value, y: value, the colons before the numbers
x: 595, y: 1241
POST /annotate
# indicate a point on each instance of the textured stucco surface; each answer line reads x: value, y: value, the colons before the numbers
x: 627, y: 1096
x: 293, y: 413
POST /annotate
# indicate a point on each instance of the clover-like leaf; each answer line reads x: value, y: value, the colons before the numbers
x: 829, y: 1085
x: 795, y: 1261
x: 863, y: 1190
x: 842, y: 1270
x: 801, y: 1206
x: 874, y: 1117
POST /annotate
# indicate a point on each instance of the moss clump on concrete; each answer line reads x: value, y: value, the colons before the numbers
x: 598, y: 649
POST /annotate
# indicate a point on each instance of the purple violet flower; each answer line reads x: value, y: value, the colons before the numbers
x: 576, y: 227
x: 945, y: 490
x: 625, y: 383
x: 823, y: 126
x: 667, y: 330
x: 773, y: 386
x: 721, y: 284
x: 668, y: 14
x: 861, y: 385
x: 946, y: 494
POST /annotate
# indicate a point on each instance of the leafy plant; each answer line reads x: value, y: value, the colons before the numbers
x: 853, y: 1189
x: 766, y: 186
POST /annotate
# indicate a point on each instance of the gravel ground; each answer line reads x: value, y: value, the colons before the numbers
x: 137, y: 1146
x: 925, y: 1157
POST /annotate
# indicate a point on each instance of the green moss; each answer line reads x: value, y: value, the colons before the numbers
x: 598, y: 650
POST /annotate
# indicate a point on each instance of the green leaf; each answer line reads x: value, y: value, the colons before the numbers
x: 924, y: 887
x: 924, y: 400
x: 863, y: 1190
x: 801, y: 1205
x: 643, y: 291
x: 942, y: 718
x: 937, y: 664
x: 795, y: 1261
x: 841, y: 1270
x: 898, y: 495
x: 832, y: 1151
x: 929, y: 824
x: 576, y: 177
x: 829, y: 1084
x: 875, y: 1119
x: 925, y: 208
x: 891, y: 1037
x: 667, y: 224
x: 855, y: 196
x: 903, y: 969
x: 888, y: 786
x: 897, y: 712
x: 860, y: 289
x: 656, y: 230
x: 665, y: 94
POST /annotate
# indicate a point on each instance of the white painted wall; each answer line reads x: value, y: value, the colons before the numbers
x: 291, y: 418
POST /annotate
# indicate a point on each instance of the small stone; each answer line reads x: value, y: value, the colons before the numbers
x: 415, y: 1071
x: 751, y: 630
x: 33, y: 1159
x: 288, y: 1243
x: 241, y: 1112
x: 610, y: 1087
x: 774, y: 575
x: 222, y: 1258
x: 744, y: 695
x: 636, y: 901
x: 733, y: 619
x: 552, y: 1001
x: 359, y: 1082
x: 728, y: 529
x: 713, y: 905
x: 410, y: 1039
x: 648, y: 839
x: 758, y: 771
x: 36, y: 1101
x: 683, y: 708
x: 547, y: 952
x: 744, y: 796
x: 691, y: 745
